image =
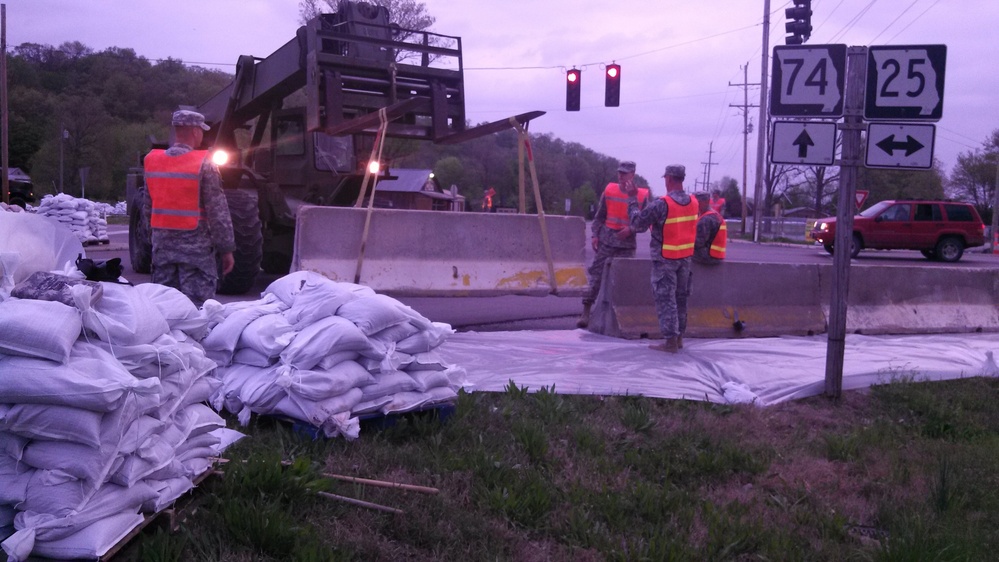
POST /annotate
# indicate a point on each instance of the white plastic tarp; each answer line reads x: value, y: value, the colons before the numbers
x: 761, y: 370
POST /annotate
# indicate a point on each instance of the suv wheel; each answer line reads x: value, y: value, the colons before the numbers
x: 828, y: 248
x: 855, y: 246
x: 929, y: 254
x: 949, y: 249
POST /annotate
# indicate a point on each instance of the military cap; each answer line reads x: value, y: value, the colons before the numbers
x: 626, y: 167
x: 188, y: 118
x: 676, y: 171
x: 703, y: 196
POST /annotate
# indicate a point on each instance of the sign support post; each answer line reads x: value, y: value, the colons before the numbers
x: 851, y: 161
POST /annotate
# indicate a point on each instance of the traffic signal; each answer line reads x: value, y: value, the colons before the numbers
x: 573, y: 81
x: 612, y: 85
x: 800, y: 22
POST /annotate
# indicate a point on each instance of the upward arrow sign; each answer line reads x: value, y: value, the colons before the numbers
x: 803, y: 142
x: 890, y: 145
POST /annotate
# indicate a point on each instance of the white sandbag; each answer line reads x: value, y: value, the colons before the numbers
x: 427, y: 380
x: 408, y: 401
x: 178, y: 310
x: 15, y: 476
x: 427, y: 361
x: 426, y: 340
x: 316, y: 412
x: 248, y: 356
x: 225, y: 336
x: 376, y: 312
x: 371, y: 406
x: 250, y: 386
x: 90, y: 543
x: 205, y: 419
x: 327, y: 336
x: 320, y: 385
x: 108, y: 501
x: 335, y: 358
x: 42, y: 244
x: 318, y: 300
x: 397, y: 332
x: 201, y: 390
x: 167, y: 492
x: 268, y: 335
x: 394, y: 361
x: 124, y: 316
x: 387, y: 383
x: 52, y: 423
x: 91, y: 465
x: 91, y: 379
x: 12, y: 445
x: 34, y: 328
x: 288, y: 287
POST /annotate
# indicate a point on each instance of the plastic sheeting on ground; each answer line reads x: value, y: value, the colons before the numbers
x: 761, y: 370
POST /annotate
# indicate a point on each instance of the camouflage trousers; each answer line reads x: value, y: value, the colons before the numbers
x: 595, y: 273
x: 671, y: 284
x: 194, y: 275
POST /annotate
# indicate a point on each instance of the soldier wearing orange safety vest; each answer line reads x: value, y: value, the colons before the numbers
x: 717, y: 202
x: 672, y: 220
x: 613, y: 236
x: 189, y: 215
x: 712, y: 233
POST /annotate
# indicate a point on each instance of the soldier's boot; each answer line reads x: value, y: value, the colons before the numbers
x: 584, y: 318
x: 669, y: 346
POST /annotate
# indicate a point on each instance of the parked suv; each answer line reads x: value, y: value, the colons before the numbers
x: 941, y: 230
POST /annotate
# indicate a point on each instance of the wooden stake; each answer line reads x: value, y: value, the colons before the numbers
x: 361, y: 503
x: 383, y: 483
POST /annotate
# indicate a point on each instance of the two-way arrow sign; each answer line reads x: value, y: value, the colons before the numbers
x: 900, y: 145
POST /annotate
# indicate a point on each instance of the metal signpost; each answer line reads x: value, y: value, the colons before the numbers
x: 888, y: 84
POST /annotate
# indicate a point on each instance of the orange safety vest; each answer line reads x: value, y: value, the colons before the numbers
x: 717, y: 204
x: 680, y: 229
x: 616, y: 202
x: 173, y: 188
x: 718, y: 245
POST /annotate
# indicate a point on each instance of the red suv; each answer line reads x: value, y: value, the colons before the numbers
x: 941, y: 230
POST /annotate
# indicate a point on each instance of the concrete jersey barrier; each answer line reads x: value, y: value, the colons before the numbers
x: 794, y: 299
x: 434, y: 253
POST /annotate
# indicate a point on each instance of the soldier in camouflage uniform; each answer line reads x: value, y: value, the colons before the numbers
x: 708, y: 226
x: 673, y: 227
x: 184, y: 257
x: 613, y: 237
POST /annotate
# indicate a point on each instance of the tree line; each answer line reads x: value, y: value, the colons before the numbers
x: 73, y: 108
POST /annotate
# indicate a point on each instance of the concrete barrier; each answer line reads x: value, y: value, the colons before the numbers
x: 432, y: 253
x: 794, y: 299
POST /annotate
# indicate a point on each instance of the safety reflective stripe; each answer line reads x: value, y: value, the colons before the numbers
x: 616, y: 202
x: 720, y: 242
x: 679, y: 229
x: 173, y: 183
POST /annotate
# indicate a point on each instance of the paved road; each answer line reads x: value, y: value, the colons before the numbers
x: 560, y: 313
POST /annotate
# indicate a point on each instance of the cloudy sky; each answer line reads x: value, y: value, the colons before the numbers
x: 681, y: 61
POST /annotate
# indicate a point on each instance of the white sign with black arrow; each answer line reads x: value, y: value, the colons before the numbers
x: 803, y: 143
x: 900, y: 145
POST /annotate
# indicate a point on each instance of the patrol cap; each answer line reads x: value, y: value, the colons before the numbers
x: 188, y: 118
x: 626, y: 167
x: 676, y: 171
x: 703, y: 196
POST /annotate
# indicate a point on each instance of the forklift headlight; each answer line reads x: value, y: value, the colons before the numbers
x: 220, y: 157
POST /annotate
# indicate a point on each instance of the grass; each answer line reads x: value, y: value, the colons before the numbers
x: 906, y: 471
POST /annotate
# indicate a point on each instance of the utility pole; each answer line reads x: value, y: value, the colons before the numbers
x: 5, y: 185
x: 707, y: 166
x: 745, y: 133
x: 995, y: 211
x: 761, y: 146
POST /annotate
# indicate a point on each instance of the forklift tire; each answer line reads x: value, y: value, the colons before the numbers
x: 140, y: 240
x: 245, y: 213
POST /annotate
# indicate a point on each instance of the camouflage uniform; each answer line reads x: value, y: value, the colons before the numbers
x: 707, y: 229
x: 186, y: 259
x: 671, y: 279
x: 609, y: 246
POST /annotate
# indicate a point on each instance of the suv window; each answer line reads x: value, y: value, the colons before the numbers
x: 927, y: 212
x: 897, y: 213
x: 960, y: 213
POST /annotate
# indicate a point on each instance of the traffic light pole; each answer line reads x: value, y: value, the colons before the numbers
x: 850, y: 162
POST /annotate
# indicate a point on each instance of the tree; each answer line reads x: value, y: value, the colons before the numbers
x: 900, y: 184
x: 974, y: 176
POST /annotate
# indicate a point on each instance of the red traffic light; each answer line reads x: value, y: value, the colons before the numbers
x: 612, y: 85
x: 573, y: 84
x: 613, y: 70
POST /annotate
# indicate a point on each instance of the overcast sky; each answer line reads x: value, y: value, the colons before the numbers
x: 680, y: 61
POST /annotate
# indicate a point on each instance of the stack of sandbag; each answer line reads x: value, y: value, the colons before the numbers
x: 4, y: 207
x: 324, y: 353
x: 102, y: 413
x: 81, y: 216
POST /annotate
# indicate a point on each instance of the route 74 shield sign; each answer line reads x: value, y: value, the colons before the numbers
x: 808, y: 81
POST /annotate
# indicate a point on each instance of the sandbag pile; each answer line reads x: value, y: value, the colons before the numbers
x: 102, y: 415
x: 324, y: 353
x: 11, y: 208
x: 84, y: 218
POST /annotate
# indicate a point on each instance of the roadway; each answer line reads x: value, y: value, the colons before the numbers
x: 553, y: 312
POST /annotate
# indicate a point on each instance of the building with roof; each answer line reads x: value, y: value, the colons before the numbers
x: 416, y: 189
